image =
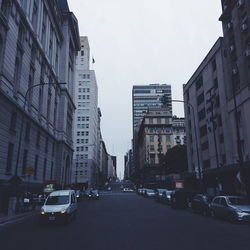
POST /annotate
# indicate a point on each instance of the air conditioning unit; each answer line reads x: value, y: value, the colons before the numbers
x: 232, y: 48
x: 240, y: 3
x: 247, y: 52
x: 243, y: 27
x: 235, y: 71
x: 229, y: 25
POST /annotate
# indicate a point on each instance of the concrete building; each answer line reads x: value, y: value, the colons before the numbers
x: 112, y: 167
x: 38, y: 43
x: 103, y: 163
x: 128, y: 161
x: 144, y: 96
x: 179, y: 131
x: 235, y: 23
x: 87, y: 121
x: 219, y: 94
x: 154, y: 139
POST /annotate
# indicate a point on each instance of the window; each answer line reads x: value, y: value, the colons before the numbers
x: 9, y: 158
x: 206, y: 163
x: 151, y: 138
x: 199, y: 83
x: 25, y: 156
x: 82, y: 52
x: 27, y: 131
x: 36, y: 166
x: 44, y: 168
x: 51, y: 170
x: 13, y: 120
x: 221, y: 138
x: 53, y: 149
x: 5, y: 8
x: 200, y: 98
x: 202, y: 114
x: 168, y: 147
x: 34, y: 15
x: 46, y: 145
x: 216, y: 83
x: 219, y: 120
x: 204, y: 146
x: 38, y: 136
x: 17, y: 69
x: 152, y: 147
x: 158, y: 120
x: 214, y: 66
x: 44, y: 25
x: 203, y: 130
x: 167, y: 138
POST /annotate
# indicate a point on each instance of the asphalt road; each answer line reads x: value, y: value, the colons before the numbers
x: 127, y: 222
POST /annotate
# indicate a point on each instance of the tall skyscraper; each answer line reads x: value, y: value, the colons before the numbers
x: 86, y: 120
x: 145, y: 96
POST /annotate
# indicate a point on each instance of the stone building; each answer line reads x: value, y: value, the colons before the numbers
x: 38, y: 44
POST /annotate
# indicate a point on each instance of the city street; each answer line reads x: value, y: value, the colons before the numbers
x: 126, y: 221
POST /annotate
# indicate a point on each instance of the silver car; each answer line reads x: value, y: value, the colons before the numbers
x: 59, y: 205
x: 232, y: 208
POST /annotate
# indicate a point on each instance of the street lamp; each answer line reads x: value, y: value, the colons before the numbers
x: 22, y: 122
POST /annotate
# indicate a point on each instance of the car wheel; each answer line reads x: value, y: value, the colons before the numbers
x: 232, y: 218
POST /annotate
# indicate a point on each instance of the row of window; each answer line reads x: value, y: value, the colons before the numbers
x: 158, y: 147
x: 82, y: 141
x: 82, y: 133
x: 83, y: 118
x: 83, y: 104
x: 82, y: 149
x: 83, y: 97
x: 84, y: 76
x: 83, y: 90
x: 159, y: 120
x: 24, y: 163
x: 81, y: 156
x: 152, y: 138
x: 81, y: 164
x: 159, y: 130
x: 81, y: 172
x: 27, y: 132
x: 80, y: 126
x: 84, y: 83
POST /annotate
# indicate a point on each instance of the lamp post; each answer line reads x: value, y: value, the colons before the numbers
x: 22, y: 121
x: 196, y: 141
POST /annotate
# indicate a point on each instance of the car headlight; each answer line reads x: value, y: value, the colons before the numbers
x: 64, y: 211
x: 42, y: 211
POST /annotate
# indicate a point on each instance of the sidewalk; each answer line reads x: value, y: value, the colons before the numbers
x: 13, y: 218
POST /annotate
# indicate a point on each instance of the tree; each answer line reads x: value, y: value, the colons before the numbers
x: 175, y: 160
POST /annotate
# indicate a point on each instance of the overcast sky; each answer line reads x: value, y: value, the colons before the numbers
x: 142, y: 42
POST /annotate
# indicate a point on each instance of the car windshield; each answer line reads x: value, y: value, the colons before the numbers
x: 94, y: 191
x: 238, y: 201
x: 57, y: 200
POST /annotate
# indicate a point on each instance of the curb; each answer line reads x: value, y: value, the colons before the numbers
x: 10, y: 219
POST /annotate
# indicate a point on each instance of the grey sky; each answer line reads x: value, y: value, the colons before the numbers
x: 141, y: 42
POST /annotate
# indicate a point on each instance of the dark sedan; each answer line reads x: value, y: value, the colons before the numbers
x: 200, y: 204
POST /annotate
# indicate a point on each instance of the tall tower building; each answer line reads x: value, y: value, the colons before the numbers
x: 86, y: 120
x: 145, y: 96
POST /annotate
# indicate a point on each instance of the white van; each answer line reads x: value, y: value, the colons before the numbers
x: 59, y: 205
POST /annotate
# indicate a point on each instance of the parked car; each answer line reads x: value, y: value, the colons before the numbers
x: 59, y: 205
x: 150, y: 193
x: 232, y: 208
x: 179, y: 199
x: 79, y: 195
x: 127, y: 190
x: 201, y: 204
x: 166, y: 197
x: 93, y: 194
x: 158, y: 193
x: 140, y: 191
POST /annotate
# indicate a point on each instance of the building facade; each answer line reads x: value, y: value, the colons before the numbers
x: 87, y: 121
x: 155, y: 138
x: 38, y: 43
x: 179, y: 131
x: 144, y: 96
